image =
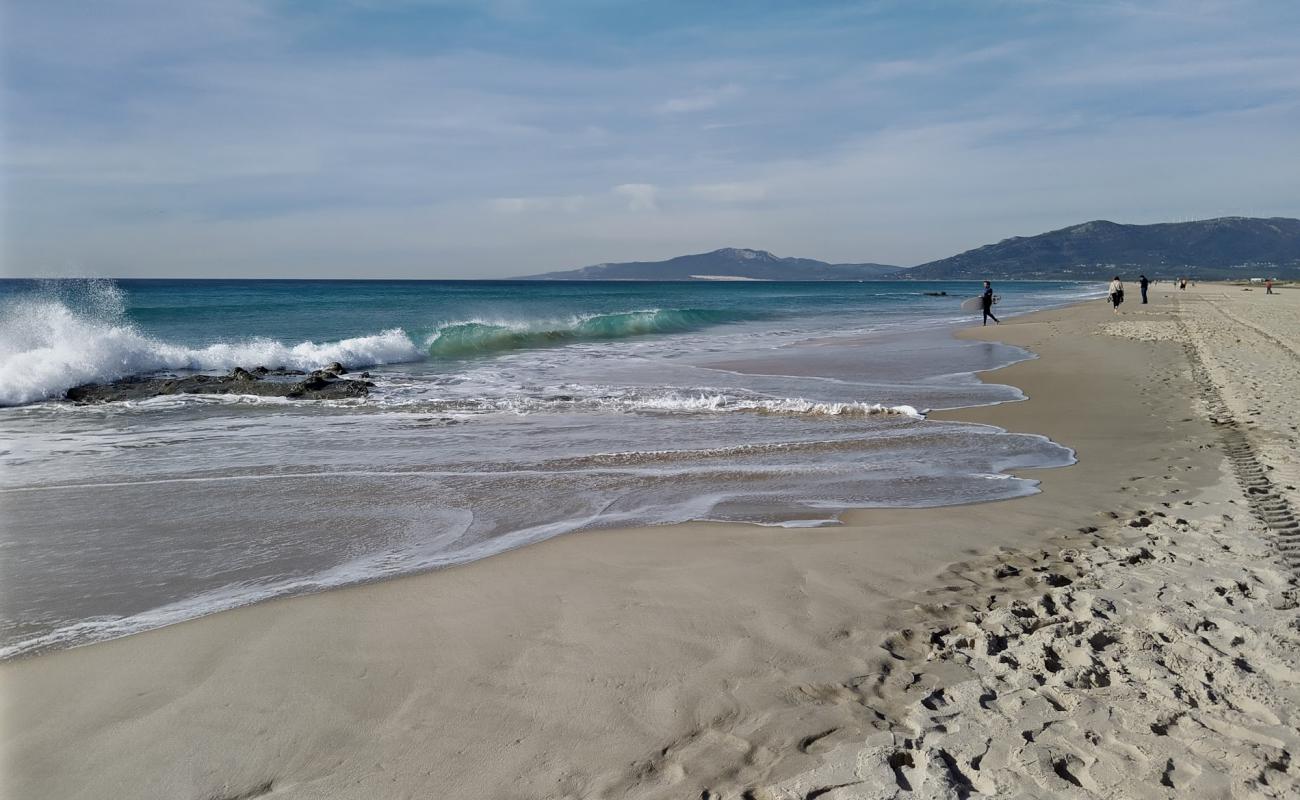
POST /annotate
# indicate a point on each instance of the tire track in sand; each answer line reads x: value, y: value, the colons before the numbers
x: 1266, y: 502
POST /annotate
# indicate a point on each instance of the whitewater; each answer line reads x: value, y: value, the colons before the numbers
x: 48, y: 347
x: 503, y: 413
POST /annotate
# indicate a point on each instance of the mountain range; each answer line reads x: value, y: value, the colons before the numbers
x: 1225, y: 247
x: 728, y: 263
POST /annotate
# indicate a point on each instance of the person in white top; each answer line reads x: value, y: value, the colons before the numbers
x: 1116, y: 293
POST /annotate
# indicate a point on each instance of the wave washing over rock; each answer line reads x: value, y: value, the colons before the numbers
x: 60, y: 339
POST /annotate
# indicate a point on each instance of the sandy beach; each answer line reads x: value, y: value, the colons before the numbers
x: 1128, y: 632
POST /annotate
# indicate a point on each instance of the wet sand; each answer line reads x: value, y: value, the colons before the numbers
x: 711, y: 660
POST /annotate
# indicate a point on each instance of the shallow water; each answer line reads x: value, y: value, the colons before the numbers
x: 504, y: 413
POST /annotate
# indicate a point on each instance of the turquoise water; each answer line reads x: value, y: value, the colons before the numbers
x: 503, y: 413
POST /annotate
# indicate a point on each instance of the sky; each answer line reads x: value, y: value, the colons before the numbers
x: 459, y: 139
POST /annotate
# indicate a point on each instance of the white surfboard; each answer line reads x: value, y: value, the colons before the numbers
x: 975, y: 303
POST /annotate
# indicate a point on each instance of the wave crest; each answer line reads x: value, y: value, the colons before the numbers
x: 474, y: 337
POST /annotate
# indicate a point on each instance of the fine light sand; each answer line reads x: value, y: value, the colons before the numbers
x: 1131, y: 631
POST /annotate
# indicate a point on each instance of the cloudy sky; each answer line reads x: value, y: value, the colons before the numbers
x: 459, y: 139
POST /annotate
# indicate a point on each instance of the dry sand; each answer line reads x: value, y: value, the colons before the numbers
x: 1129, y: 632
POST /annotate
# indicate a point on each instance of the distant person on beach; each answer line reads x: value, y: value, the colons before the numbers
x: 1268, y: 286
x: 1143, y: 283
x: 1182, y: 284
x: 1116, y: 293
x: 986, y: 303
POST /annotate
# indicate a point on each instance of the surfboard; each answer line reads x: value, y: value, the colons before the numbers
x: 974, y: 303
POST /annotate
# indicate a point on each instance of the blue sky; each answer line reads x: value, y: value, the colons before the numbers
x: 448, y: 138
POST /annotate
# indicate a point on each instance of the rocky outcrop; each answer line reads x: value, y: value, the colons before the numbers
x: 322, y: 384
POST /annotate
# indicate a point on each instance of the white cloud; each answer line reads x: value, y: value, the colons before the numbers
x: 736, y: 192
x: 521, y: 205
x: 699, y: 101
x: 639, y: 196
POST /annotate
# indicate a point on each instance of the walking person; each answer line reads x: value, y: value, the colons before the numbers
x: 1268, y: 286
x: 1143, y: 283
x: 986, y: 303
x: 1116, y: 293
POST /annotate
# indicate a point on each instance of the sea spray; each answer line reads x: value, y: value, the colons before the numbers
x: 62, y: 335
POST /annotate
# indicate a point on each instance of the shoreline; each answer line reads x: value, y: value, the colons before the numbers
x: 115, y: 625
x: 663, y: 662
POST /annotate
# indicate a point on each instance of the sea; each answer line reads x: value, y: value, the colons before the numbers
x: 503, y: 413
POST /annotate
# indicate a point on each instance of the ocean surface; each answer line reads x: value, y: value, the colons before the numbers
x: 504, y: 413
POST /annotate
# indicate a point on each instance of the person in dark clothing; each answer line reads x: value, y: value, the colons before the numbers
x: 986, y: 303
x: 1143, y: 283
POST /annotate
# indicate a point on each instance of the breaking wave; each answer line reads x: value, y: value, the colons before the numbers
x: 471, y: 338
x: 52, y: 342
x: 78, y: 332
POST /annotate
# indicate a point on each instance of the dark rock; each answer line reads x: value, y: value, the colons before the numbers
x: 320, y: 385
x: 336, y: 368
x: 325, y: 389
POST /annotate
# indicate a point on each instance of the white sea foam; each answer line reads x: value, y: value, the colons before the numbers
x: 664, y: 401
x: 47, y: 347
x: 794, y: 406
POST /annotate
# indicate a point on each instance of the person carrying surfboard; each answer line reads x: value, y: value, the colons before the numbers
x: 986, y: 303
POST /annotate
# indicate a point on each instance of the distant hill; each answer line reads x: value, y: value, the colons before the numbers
x: 1228, y: 247
x: 728, y: 263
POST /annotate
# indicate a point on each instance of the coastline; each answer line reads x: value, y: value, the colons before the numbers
x: 661, y: 662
